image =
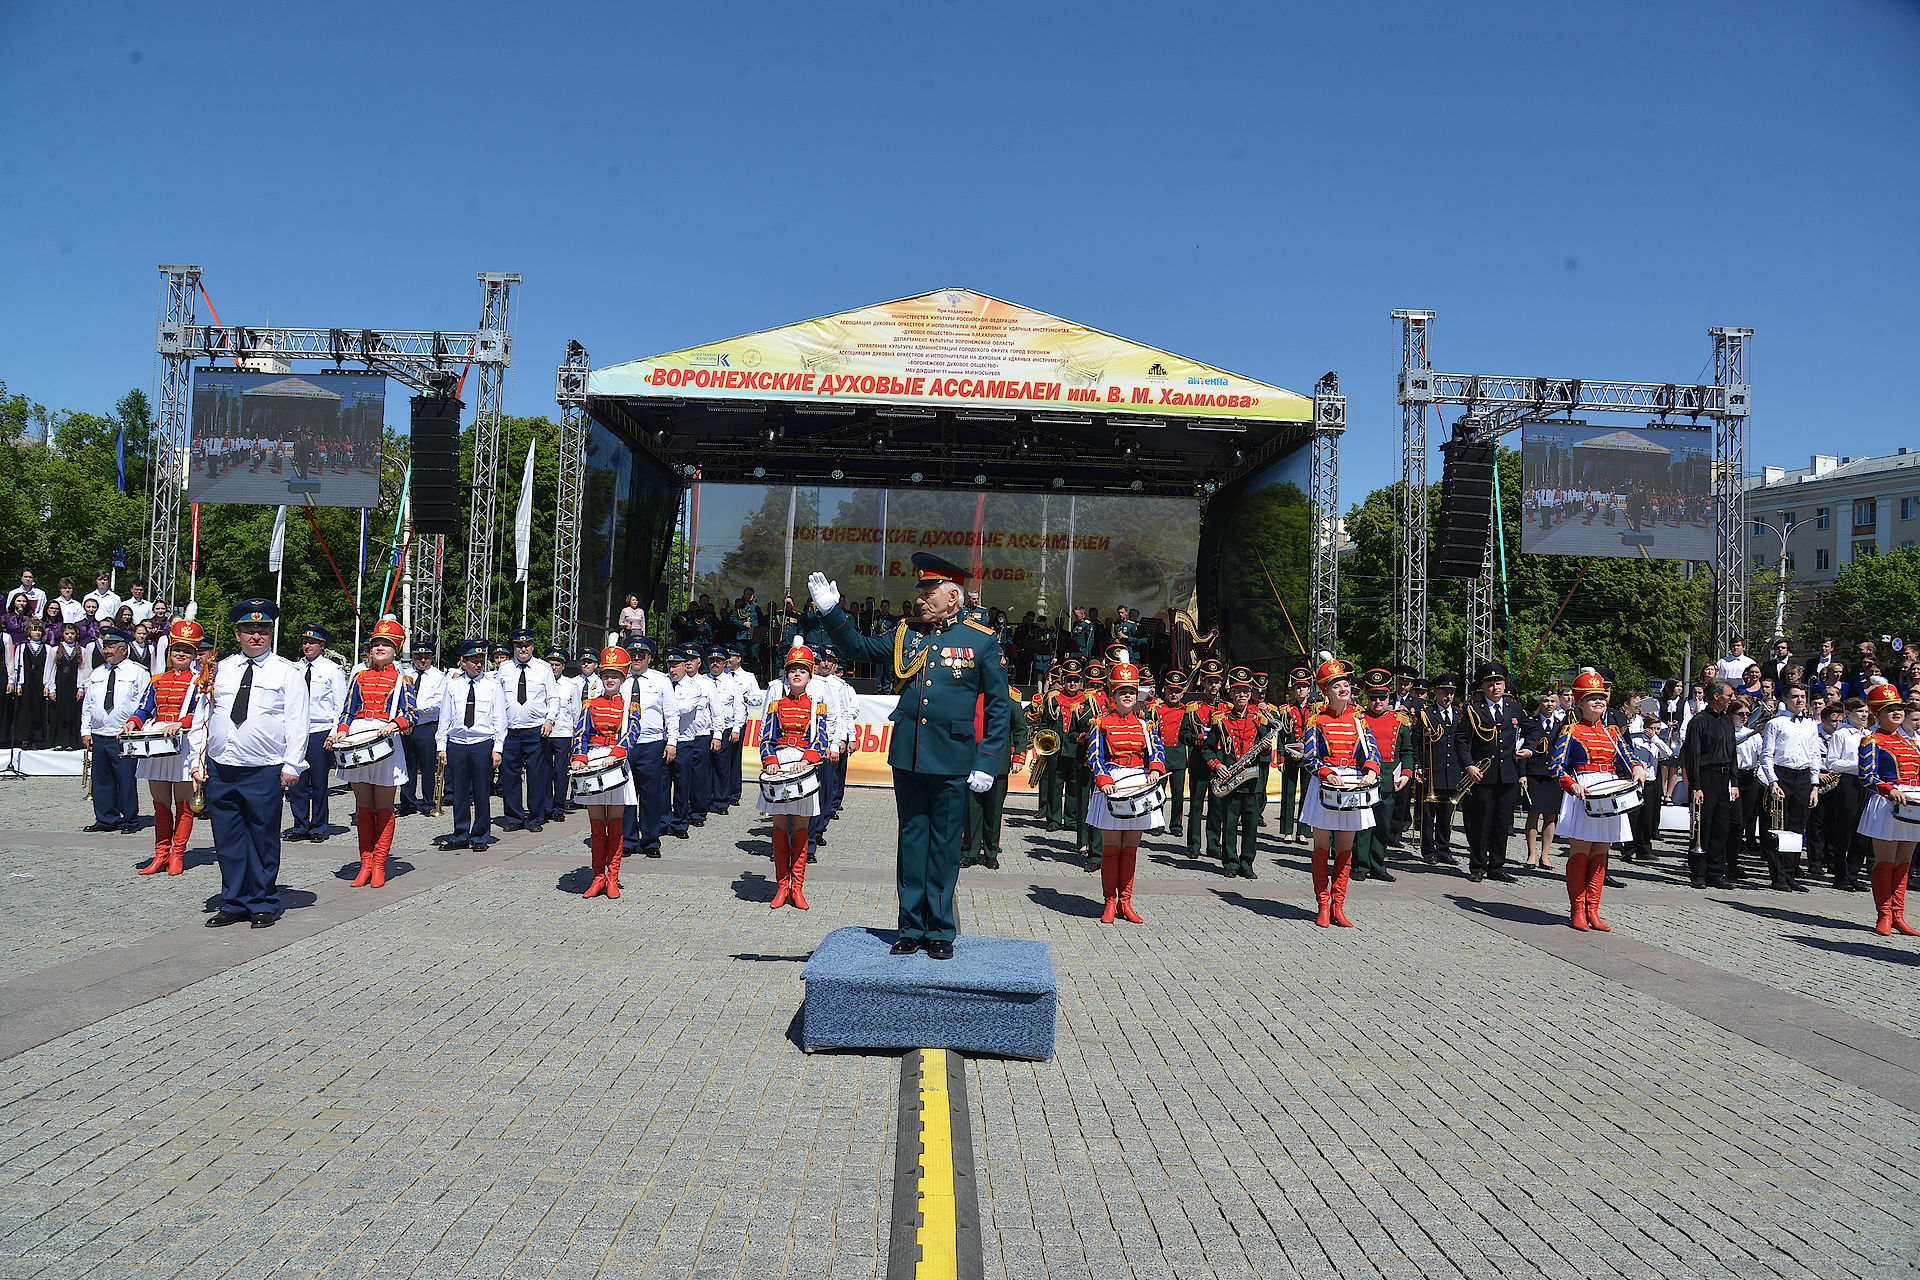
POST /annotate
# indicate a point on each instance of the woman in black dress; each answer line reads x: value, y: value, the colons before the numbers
x: 70, y: 669
x: 1542, y: 783
x: 27, y: 680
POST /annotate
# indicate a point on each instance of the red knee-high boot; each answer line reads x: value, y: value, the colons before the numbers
x: 1129, y: 858
x: 1342, y: 867
x: 598, y: 835
x: 363, y: 831
x: 1883, y: 897
x: 383, y: 821
x: 1576, y: 868
x: 782, y: 868
x: 162, y: 838
x: 1897, y: 887
x: 1110, y: 881
x: 1321, y: 893
x: 616, y: 846
x: 182, y: 830
x: 797, y: 878
x: 1596, y: 881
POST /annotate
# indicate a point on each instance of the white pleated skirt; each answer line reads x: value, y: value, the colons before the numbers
x: 1321, y: 818
x: 1878, y: 823
x: 391, y: 772
x: 1576, y: 824
x: 807, y: 808
x: 173, y: 768
x: 1101, y: 817
x: 620, y: 797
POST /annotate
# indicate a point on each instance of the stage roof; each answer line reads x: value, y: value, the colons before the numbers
x: 951, y: 386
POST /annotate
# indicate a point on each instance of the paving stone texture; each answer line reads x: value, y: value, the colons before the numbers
x: 489, y: 1076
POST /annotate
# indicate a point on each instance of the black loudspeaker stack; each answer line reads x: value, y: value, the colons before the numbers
x: 436, y: 465
x: 1466, y: 508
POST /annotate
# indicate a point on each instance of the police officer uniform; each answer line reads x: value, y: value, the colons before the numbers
x: 429, y: 686
x: 115, y: 691
x: 530, y: 692
x: 650, y: 701
x: 569, y: 692
x: 473, y: 731
x: 1435, y: 726
x: 254, y: 741
x: 949, y: 731
x: 1490, y: 734
x: 326, y: 688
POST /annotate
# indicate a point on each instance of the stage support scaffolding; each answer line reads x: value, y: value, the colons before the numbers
x: 570, y: 392
x: 1414, y: 365
x: 1496, y: 404
x: 413, y: 357
x: 1323, y: 499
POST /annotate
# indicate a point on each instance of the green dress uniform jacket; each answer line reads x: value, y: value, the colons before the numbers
x: 1370, y: 846
x: 985, y: 808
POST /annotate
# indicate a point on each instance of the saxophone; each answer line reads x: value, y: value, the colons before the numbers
x: 1247, y: 767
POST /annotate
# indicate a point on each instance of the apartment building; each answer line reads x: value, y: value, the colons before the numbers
x: 1833, y: 511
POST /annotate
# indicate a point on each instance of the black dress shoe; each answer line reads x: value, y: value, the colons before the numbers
x: 291, y: 834
x: 101, y: 826
x: 536, y: 826
x: 1718, y: 882
x: 939, y: 950
x: 317, y: 837
x: 510, y: 826
x: 264, y: 919
x: 1698, y: 883
x: 651, y: 853
x: 221, y: 919
x: 905, y: 947
x: 1383, y: 875
x: 1502, y: 877
x: 1475, y: 877
x: 991, y: 864
x: 1247, y: 873
x: 129, y: 828
x: 1613, y: 882
x: 1797, y: 887
x: 452, y: 845
x: 679, y: 835
x: 969, y: 861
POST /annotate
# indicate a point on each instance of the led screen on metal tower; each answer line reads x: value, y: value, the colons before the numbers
x: 1644, y: 492
x: 265, y: 439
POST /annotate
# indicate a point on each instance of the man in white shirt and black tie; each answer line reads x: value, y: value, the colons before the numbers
x: 569, y: 693
x: 429, y: 684
x: 473, y: 728
x: 249, y: 748
x: 1790, y: 754
x: 326, y: 689
x: 524, y: 785
x: 115, y: 690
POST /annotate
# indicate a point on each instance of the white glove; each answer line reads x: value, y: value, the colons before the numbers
x: 825, y: 594
x: 979, y: 781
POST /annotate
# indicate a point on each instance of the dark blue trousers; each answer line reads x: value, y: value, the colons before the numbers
x: 523, y: 760
x: 243, y: 803
x: 647, y: 766
x: 677, y: 813
x: 714, y: 765
x: 559, y: 760
x: 694, y: 761
x: 733, y: 753
x: 470, y: 789
x: 933, y: 820
x: 422, y: 767
x: 308, y: 797
x: 116, y: 792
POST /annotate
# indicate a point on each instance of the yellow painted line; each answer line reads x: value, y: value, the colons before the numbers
x: 938, y: 1233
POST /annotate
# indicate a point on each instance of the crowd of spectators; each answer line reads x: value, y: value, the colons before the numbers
x: 52, y: 643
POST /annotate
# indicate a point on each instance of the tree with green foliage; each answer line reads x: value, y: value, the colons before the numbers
x: 1872, y: 597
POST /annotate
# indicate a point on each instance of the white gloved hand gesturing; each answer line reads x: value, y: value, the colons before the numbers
x: 981, y: 782
x: 825, y: 594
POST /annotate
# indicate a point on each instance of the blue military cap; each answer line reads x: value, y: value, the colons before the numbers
x: 590, y: 655
x: 555, y: 653
x: 421, y: 649
x: 473, y: 648
x: 314, y: 632
x: 716, y: 654
x: 115, y: 635
x: 499, y: 646
x: 520, y: 636
x: 255, y: 610
x: 735, y: 651
x: 640, y: 644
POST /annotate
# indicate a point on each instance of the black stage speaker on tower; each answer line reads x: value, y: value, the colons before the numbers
x: 436, y: 464
x: 1466, y: 506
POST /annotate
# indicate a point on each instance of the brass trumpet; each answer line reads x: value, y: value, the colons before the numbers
x: 1046, y: 743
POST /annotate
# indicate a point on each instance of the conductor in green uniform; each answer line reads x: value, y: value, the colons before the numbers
x: 949, y: 732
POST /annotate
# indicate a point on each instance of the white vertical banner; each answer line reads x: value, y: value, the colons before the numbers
x: 523, y: 519
x: 277, y: 549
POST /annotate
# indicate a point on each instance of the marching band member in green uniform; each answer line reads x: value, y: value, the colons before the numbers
x: 1293, y: 731
x: 1233, y: 820
x: 1202, y: 711
x: 949, y: 731
x: 1170, y: 717
x: 1079, y: 735
x: 981, y: 847
x: 1393, y: 737
x: 1062, y: 792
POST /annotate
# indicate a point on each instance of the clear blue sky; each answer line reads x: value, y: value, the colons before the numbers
x: 1576, y: 192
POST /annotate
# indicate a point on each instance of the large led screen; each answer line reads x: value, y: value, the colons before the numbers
x: 1644, y: 492
x: 264, y: 439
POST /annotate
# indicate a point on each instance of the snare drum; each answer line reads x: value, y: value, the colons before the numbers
x: 1138, y: 798
x: 1344, y: 793
x: 357, y: 750
x: 796, y: 782
x: 145, y: 744
x: 1905, y: 803
x: 608, y: 773
x: 1613, y: 797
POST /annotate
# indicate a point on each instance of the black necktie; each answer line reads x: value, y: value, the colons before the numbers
x: 523, y: 686
x: 309, y: 678
x: 110, y: 675
x: 469, y: 704
x: 244, y: 693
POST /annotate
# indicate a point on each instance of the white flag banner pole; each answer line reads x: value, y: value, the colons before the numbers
x: 276, y: 562
x: 523, y: 531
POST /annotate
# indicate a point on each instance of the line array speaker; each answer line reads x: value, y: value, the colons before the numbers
x: 436, y: 465
x: 1466, y: 509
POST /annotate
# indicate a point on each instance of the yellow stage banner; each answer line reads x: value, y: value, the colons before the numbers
x: 953, y: 348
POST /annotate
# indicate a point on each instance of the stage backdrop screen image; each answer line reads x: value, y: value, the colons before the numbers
x: 1617, y: 491
x: 265, y: 439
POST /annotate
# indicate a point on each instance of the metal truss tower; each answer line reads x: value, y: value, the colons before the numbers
x: 1495, y: 404
x: 1323, y: 500
x: 169, y: 464
x: 1414, y: 368
x: 570, y: 391
x: 496, y: 330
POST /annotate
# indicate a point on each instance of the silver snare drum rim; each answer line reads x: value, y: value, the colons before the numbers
x: 357, y: 750
x: 145, y: 744
x: 1905, y: 804
x: 1338, y: 795
x: 1138, y: 798
x: 1612, y: 798
x: 792, y: 785
x: 600, y: 776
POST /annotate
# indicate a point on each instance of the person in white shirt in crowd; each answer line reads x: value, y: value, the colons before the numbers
x: 1733, y: 667
x: 326, y: 692
x: 473, y: 731
x: 1843, y: 724
x: 72, y: 610
x: 651, y: 703
x: 1790, y: 757
x: 106, y: 600
x: 1747, y: 740
x: 525, y: 789
x: 752, y: 700
x: 144, y: 609
x: 693, y: 733
x: 429, y: 687
x: 31, y: 592
x: 568, y: 695
x: 729, y: 726
x: 251, y: 746
x: 842, y: 712
x: 1646, y: 747
x: 115, y: 690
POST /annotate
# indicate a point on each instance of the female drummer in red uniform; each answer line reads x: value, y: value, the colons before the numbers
x: 1122, y: 749
x: 172, y: 699
x: 379, y: 701
x: 1337, y: 748
x: 1588, y: 752
x: 794, y: 730
x: 606, y: 731
x: 1888, y: 760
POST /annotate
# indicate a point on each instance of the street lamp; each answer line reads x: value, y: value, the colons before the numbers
x: 1780, y: 596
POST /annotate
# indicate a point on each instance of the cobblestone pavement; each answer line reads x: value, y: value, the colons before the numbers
x: 479, y: 1073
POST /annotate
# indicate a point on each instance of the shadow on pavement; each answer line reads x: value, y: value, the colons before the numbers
x: 751, y: 886
x: 1066, y: 904
x: 575, y: 881
x: 1518, y: 912
x: 1804, y: 919
x: 1863, y: 949
x: 1264, y: 906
